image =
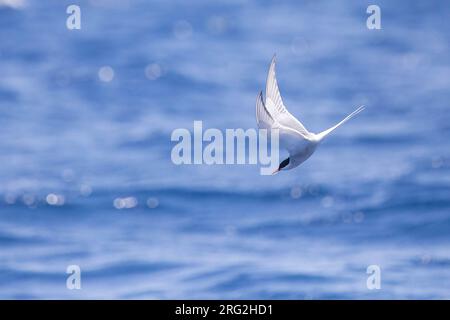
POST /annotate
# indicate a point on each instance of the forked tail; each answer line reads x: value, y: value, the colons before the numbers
x: 323, y: 134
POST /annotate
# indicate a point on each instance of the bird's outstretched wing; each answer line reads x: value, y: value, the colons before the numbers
x: 289, y: 139
x: 263, y: 117
x: 275, y: 106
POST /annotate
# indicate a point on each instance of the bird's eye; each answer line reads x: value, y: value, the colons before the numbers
x: 284, y: 163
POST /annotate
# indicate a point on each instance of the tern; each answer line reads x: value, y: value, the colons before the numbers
x: 271, y: 114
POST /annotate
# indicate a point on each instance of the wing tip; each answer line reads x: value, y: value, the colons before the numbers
x: 259, y: 100
x: 259, y: 96
x: 273, y: 61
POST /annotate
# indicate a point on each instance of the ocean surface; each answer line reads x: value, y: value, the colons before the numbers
x: 86, y: 176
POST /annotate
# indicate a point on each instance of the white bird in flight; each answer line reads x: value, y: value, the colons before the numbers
x: 272, y: 114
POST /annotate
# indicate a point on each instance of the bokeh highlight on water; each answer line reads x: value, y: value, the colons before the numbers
x: 86, y: 177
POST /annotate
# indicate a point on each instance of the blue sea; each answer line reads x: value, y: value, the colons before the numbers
x: 86, y: 176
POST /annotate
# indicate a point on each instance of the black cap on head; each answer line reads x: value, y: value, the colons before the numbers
x: 283, y: 164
